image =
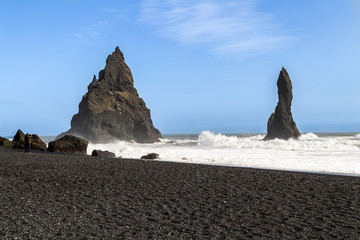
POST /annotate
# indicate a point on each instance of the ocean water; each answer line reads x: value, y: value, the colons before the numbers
x: 321, y: 153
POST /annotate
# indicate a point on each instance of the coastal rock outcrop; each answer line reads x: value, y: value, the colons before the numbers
x: 19, y: 140
x: 151, y: 156
x: 112, y: 108
x: 100, y: 153
x: 69, y: 144
x: 6, y: 142
x: 281, y: 123
x: 2, y: 140
x: 36, y: 142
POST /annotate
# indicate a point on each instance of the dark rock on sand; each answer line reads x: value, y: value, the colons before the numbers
x: 69, y: 144
x: 6, y: 143
x: 112, y: 108
x: 150, y: 156
x: 100, y: 153
x: 2, y: 140
x: 281, y: 123
x: 19, y: 138
x: 36, y: 142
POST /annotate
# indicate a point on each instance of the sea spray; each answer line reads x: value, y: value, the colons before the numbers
x: 208, y: 139
x: 312, y: 152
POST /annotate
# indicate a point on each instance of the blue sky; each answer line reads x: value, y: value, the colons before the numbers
x: 199, y: 65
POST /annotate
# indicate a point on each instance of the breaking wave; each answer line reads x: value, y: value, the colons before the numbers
x: 311, y: 153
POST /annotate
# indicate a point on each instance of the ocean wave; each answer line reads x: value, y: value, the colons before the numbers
x: 178, y: 142
x: 209, y: 139
x: 338, y: 154
x: 308, y: 136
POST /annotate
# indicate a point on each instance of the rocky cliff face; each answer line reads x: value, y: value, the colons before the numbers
x: 112, y: 108
x: 281, y: 123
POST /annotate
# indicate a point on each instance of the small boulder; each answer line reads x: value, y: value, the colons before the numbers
x: 37, y: 143
x: 19, y: 137
x: 19, y: 140
x: 100, y: 153
x: 6, y: 143
x: 150, y: 156
x: 2, y: 140
x: 69, y: 144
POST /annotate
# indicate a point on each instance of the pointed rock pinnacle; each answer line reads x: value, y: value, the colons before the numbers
x: 281, y: 123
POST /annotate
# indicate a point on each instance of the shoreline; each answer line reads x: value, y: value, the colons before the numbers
x: 270, y: 169
x: 202, y: 163
x: 80, y: 196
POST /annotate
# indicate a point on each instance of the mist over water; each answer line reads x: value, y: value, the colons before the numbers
x: 330, y: 153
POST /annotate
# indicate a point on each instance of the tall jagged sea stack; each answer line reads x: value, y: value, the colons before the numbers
x: 281, y: 123
x: 112, y: 109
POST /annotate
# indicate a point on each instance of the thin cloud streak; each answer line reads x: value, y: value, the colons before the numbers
x: 110, y: 10
x: 232, y: 27
x: 87, y: 35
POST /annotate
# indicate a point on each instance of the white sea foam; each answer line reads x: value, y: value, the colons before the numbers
x: 312, y: 153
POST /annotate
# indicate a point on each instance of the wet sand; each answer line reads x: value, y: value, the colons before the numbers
x: 59, y: 196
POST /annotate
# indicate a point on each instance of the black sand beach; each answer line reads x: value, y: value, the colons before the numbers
x: 56, y: 196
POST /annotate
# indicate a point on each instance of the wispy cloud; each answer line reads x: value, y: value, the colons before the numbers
x: 227, y: 27
x: 119, y: 14
x: 87, y: 34
x: 109, y: 10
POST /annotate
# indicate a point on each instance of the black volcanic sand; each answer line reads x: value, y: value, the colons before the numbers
x: 58, y: 196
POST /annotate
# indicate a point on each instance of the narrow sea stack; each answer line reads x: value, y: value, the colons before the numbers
x: 112, y: 109
x: 281, y: 123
